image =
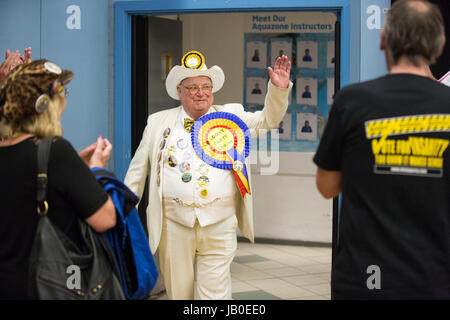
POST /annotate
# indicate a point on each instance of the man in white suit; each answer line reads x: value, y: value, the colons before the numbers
x: 194, y: 208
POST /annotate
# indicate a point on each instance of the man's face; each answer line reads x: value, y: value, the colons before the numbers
x: 196, y: 104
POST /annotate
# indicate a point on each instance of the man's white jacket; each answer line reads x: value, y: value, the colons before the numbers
x: 145, y: 160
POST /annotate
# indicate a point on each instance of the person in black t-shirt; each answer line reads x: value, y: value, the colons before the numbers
x: 385, y: 149
x: 32, y: 100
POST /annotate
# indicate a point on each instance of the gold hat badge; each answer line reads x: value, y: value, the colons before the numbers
x: 193, y: 60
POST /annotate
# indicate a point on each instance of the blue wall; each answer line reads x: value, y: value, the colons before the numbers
x: 372, y: 20
x: 90, y: 49
x: 20, y: 26
x: 82, y: 48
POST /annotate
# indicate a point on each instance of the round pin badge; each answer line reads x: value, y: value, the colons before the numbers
x: 204, y: 193
x: 187, y: 155
x: 184, y: 166
x: 203, y: 181
x: 186, y: 177
x: 238, y: 166
x: 182, y: 143
x: 172, y: 161
x: 166, y: 133
x: 51, y: 67
x: 203, y: 169
x: 42, y: 103
x: 193, y: 60
x: 162, y: 144
x: 172, y: 150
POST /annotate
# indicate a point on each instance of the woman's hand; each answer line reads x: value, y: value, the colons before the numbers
x: 26, y: 58
x: 101, y: 153
x: 87, y: 153
x: 12, y: 59
x: 97, y: 154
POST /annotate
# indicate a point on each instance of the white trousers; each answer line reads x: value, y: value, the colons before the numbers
x: 195, y: 262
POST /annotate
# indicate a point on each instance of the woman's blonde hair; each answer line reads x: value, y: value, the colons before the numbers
x: 45, y: 125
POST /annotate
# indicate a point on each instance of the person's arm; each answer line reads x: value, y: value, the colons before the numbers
x: 328, y: 183
x: 105, y: 217
x: 74, y: 180
x: 140, y: 164
x: 329, y: 154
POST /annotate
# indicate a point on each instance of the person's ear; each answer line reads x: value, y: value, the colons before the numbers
x: 382, y: 40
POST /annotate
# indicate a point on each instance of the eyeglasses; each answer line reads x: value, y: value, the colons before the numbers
x: 194, y: 89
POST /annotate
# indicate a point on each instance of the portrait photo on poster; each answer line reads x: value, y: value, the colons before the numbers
x: 330, y: 54
x: 279, y: 47
x: 306, y: 91
x: 306, y: 126
x: 252, y: 107
x: 257, y: 54
x: 256, y: 90
x: 307, y: 54
x: 285, y: 127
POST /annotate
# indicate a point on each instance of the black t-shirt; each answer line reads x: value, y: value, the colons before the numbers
x: 72, y: 191
x: 390, y: 137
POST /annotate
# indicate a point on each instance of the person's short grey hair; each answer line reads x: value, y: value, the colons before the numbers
x: 414, y: 29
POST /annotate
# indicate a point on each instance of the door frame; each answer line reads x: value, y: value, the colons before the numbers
x: 123, y: 10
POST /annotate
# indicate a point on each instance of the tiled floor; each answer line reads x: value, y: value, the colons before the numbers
x: 273, y: 271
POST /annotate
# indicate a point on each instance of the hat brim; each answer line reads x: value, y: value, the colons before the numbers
x: 178, y: 74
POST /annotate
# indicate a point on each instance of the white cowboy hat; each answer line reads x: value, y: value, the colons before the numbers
x: 193, y: 65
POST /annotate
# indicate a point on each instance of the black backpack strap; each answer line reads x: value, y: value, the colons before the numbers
x: 43, y: 156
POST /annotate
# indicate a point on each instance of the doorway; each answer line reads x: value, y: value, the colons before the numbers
x: 229, y: 41
x: 130, y: 123
x: 125, y: 10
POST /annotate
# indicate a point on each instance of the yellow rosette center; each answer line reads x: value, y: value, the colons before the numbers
x: 221, y: 139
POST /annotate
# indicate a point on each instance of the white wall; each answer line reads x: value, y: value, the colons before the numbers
x: 287, y: 206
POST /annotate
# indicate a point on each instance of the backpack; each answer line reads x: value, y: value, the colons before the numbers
x: 128, y: 239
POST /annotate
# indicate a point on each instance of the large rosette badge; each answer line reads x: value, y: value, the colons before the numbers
x: 222, y: 140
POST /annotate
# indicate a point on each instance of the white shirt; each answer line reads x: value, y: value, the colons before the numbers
x: 192, y: 189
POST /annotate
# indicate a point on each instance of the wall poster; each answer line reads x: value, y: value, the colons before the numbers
x: 307, y: 38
